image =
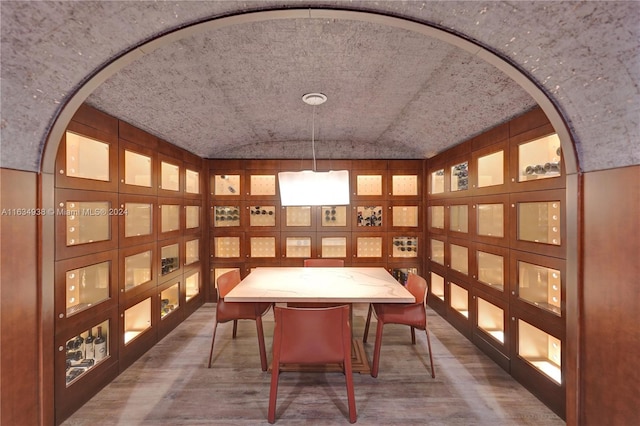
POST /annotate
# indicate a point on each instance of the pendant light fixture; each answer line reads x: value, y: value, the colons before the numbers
x: 310, y: 187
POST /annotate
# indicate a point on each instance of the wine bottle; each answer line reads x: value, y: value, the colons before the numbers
x: 89, y: 349
x: 100, y: 345
x: 74, y: 356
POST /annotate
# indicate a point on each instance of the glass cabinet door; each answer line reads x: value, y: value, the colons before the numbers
x: 539, y: 159
x: 192, y: 252
x: 137, y: 319
x: 437, y: 182
x: 459, y: 218
x: 169, y: 217
x: 192, y: 285
x: 298, y: 216
x: 169, y: 176
x: 138, y: 220
x: 540, y: 286
x: 87, y: 221
x: 459, y: 258
x: 437, y: 251
x: 404, y: 246
x: 298, y: 247
x: 437, y: 285
x: 137, y: 269
x: 490, y: 220
x: 491, y: 169
x: 86, y: 350
x: 369, y: 216
x: 369, y: 185
x: 491, y: 269
x: 331, y: 247
x: 226, y: 247
x: 169, y: 300
x: 436, y: 217
x: 541, y: 350
x: 459, y: 299
x: 192, y: 217
x: 539, y: 222
x: 169, y: 259
x: 460, y: 177
x: 226, y: 216
x: 369, y: 247
x: 262, y: 185
x: 404, y: 216
x: 226, y: 185
x: 87, y: 286
x: 262, y: 215
x: 192, y: 182
x: 490, y: 319
x: 137, y: 169
x: 404, y: 185
x: 262, y: 247
x: 86, y: 158
x: 334, y: 216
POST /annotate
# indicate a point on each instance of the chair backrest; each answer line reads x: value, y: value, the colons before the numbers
x: 312, y: 336
x: 327, y: 263
x: 417, y: 286
x: 227, y: 281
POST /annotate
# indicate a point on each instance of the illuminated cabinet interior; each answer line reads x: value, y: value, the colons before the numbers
x: 129, y: 238
x: 496, y: 248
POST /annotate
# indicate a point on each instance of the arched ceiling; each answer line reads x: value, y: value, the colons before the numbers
x: 235, y: 91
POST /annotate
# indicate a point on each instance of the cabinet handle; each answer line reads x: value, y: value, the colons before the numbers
x: 60, y: 315
x: 60, y: 348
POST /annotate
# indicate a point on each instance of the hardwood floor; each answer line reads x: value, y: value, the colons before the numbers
x: 171, y: 384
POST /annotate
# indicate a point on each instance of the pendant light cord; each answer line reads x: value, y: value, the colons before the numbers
x: 313, y: 140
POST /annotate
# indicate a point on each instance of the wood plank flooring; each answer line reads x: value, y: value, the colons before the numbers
x: 171, y: 384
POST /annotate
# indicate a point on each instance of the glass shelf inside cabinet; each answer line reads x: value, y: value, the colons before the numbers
x: 169, y: 256
x: 169, y: 300
x: 169, y: 177
x: 405, y: 216
x: 539, y: 159
x: 192, y: 182
x: 334, y: 216
x: 437, y: 285
x: 460, y: 177
x: 193, y: 217
x: 262, y: 215
x: 86, y: 158
x: 369, y: 247
x: 459, y: 218
x: 491, y: 319
x: 137, y: 319
x: 437, y: 182
x: 539, y: 222
x: 227, y: 246
x: 192, y: 252
x: 137, y: 269
x: 298, y: 216
x: 137, y: 221
x: 405, y: 247
x: 137, y: 169
x: 85, y: 351
x: 192, y: 285
x: 491, y: 270
x: 263, y: 246
x: 491, y: 220
x: 369, y: 215
x: 169, y: 217
x: 404, y: 185
x: 540, y: 286
x: 437, y: 251
x: 437, y: 216
x: 369, y: 185
x: 226, y: 185
x: 86, y: 287
x: 402, y: 274
x: 460, y: 258
x: 87, y: 221
x: 541, y: 350
x: 333, y: 247
x: 225, y: 216
x: 491, y: 169
x: 298, y: 247
x: 263, y: 185
x: 459, y: 299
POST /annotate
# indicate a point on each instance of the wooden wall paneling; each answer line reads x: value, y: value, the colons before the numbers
x: 611, y: 291
x: 19, y: 302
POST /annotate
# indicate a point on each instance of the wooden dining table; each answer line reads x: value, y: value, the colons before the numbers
x: 346, y: 285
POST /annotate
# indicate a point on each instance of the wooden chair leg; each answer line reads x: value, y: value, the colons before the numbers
x: 413, y: 336
x: 213, y: 339
x: 366, y: 326
x: 433, y: 371
x: 263, y: 351
x: 273, y: 392
x: 351, y: 398
x: 376, y: 349
x: 235, y: 328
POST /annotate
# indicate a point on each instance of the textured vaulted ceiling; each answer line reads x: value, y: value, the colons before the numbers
x: 234, y: 91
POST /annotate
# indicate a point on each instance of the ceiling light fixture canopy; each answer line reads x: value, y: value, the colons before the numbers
x: 309, y: 187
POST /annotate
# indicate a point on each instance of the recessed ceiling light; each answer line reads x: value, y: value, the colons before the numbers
x: 314, y: 98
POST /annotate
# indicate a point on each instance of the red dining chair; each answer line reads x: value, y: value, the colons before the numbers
x: 325, y: 263
x: 318, y: 263
x: 312, y: 336
x: 411, y: 314
x: 234, y: 311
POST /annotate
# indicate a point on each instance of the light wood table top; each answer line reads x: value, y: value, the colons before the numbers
x: 324, y: 285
